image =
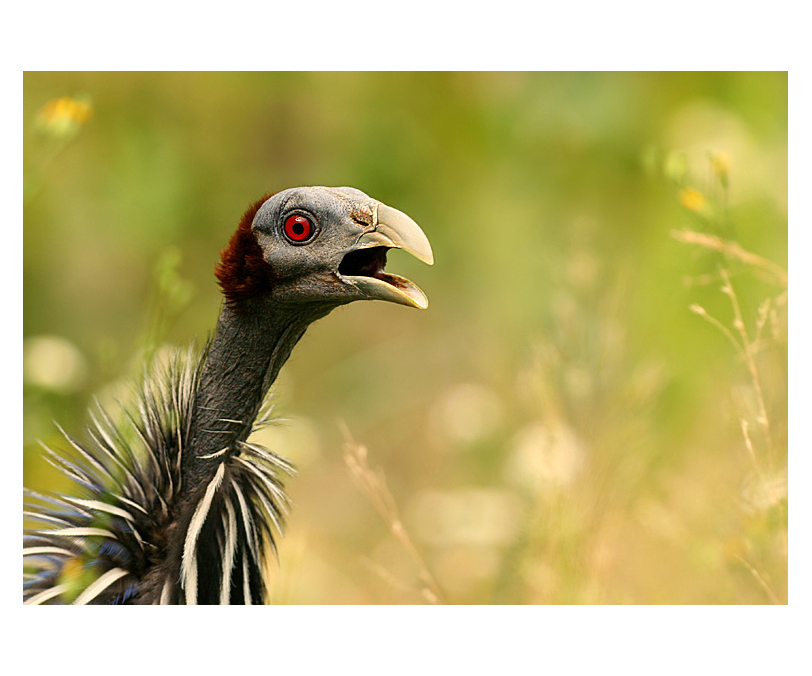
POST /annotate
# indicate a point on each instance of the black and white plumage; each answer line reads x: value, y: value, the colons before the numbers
x: 173, y: 504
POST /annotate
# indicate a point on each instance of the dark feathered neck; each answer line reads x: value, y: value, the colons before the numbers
x: 253, y: 340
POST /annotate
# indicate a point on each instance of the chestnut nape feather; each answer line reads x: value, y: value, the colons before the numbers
x: 243, y: 272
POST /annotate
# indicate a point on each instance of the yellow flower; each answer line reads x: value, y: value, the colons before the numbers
x: 693, y: 200
x: 64, y: 116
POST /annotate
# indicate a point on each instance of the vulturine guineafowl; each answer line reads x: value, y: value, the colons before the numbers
x: 176, y: 506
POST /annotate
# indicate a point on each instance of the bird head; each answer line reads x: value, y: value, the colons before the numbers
x: 321, y: 245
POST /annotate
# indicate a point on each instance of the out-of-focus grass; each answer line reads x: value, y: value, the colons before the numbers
x: 559, y: 426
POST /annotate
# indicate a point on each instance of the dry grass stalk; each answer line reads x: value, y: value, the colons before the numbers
x: 732, y: 249
x: 702, y: 312
x: 762, y: 583
x: 373, y: 484
x: 749, y: 444
x: 745, y: 347
x: 749, y: 351
x: 396, y: 583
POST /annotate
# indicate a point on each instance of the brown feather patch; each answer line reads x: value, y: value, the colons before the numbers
x: 242, y: 272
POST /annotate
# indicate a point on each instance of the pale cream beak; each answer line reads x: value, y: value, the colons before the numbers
x: 393, y: 230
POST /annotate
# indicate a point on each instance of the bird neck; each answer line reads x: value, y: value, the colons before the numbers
x: 253, y: 340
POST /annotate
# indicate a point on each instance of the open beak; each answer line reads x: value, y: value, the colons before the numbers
x: 363, y: 266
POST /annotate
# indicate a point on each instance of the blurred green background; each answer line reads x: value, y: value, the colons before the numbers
x: 558, y: 426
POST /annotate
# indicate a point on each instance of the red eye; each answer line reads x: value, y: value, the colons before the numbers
x: 298, y: 228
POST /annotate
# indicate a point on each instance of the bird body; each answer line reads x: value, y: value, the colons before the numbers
x: 177, y: 505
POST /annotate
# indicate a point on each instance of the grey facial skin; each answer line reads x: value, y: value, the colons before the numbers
x: 345, y: 220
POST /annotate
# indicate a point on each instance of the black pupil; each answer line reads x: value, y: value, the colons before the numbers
x: 298, y: 228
